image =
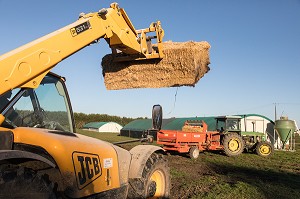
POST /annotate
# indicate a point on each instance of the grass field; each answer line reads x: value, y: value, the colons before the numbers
x: 109, y: 137
x: 214, y: 175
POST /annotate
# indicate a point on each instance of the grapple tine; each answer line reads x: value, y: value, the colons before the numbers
x: 148, y: 50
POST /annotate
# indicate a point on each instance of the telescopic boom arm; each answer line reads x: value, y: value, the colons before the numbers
x: 27, y: 65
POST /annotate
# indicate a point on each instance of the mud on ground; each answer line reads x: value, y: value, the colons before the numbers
x: 214, y: 175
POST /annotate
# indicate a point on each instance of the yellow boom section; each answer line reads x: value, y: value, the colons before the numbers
x: 27, y: 65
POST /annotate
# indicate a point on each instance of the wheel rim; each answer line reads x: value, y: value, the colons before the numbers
x: 159, y: 178
x: 233, y: 145
x: 264, y: 149
x: 195, y: 153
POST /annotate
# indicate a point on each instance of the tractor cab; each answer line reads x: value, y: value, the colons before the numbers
x: 228, y: 124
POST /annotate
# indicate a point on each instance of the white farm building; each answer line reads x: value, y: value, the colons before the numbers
x: 104, y: 127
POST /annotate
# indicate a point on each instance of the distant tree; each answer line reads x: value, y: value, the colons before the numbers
x: 81, y: 119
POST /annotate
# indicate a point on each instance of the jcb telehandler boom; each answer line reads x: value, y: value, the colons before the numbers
x: 26, y: 66
x: 41, y: 156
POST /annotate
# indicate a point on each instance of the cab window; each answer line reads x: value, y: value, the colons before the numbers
x: 44, y: 107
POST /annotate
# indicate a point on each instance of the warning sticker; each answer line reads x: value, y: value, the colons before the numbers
x: 108, y: 163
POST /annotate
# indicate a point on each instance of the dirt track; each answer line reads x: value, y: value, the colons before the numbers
x: 184, y: 171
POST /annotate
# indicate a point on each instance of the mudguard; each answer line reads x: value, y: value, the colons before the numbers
x: 140, y: 155
x: 16, y: 154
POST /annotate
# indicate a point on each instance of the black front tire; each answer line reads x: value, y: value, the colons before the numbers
x: 233, y: 144
x: 155, y: 181
x: 264, y: 149
x: 20, y: 182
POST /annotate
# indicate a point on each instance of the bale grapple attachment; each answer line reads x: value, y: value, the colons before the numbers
x: 129, y: 44
x: 148, y: 50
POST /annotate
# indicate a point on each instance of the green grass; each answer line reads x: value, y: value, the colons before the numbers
x: 214, y: 175
x: 109, y: 137
x: 271, y: 177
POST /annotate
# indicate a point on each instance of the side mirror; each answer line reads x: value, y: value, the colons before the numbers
x: 156, y: 117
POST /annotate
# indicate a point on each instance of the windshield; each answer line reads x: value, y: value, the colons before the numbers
x: 228, y: 124
x: 233, y: 124
x: 44, y: 107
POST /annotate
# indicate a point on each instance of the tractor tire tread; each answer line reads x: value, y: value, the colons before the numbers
x: 137, y: 186
x: 22, y: 182
x: 226, y: 140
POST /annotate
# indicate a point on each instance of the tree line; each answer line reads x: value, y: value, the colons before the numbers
x: 81, y: 119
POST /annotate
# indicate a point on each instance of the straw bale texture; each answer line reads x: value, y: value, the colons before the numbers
x: 183, y: 65
x: 188, y: 128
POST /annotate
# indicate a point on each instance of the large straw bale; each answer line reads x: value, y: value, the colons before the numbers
x: 183, y: 65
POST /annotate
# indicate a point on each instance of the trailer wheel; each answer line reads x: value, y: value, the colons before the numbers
x: 233, y: 144
x: 155, y: 180
x: 20, y: 182
x: 264, y: 149
x: 194, y: 152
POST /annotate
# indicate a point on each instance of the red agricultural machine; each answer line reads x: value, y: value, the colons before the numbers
x: 194, y: 137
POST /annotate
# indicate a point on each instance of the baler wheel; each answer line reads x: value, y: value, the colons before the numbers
x: 194, y: 152
x: 233, y: 144
x: 264, y: 149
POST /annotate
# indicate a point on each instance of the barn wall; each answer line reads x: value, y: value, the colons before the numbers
x: 254, y: 124
x: 110, y: 128
x: 139, y: 133
x: 262, y: 125
x: 132, y: 133
x: 91, y: 129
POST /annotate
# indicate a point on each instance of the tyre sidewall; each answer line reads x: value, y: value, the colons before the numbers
x: 138, y: 187
x: 261, y: 144
x: 22, y: 182
x: 194, y: 152
x: 227, y: 139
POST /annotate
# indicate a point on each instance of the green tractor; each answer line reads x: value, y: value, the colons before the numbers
x: 252, y: 141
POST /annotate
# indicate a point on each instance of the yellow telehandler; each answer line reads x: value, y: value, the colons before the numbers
x: 41, y: 156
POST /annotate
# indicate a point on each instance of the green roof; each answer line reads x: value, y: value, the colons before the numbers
x: 139, y: 125
x: 94, y: 125
x: 177, y: 123
x: 249, y: 115
x: 167, y: 124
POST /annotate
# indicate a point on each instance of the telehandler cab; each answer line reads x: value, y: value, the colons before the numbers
x: 41, y: 156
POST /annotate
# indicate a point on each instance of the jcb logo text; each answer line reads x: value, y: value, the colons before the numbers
x: 87, y: 168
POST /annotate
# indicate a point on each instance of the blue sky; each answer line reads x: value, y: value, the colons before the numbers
x: 255, y: 55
